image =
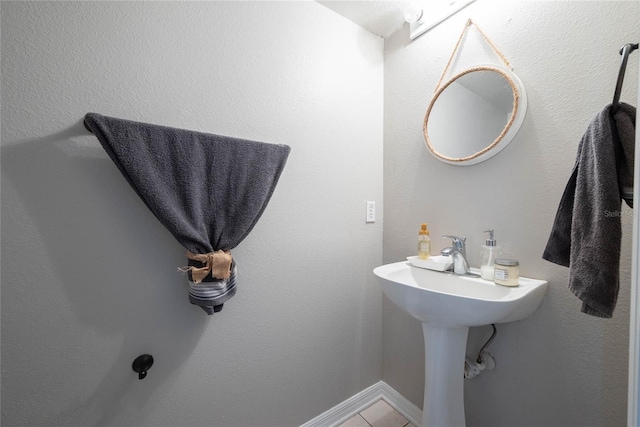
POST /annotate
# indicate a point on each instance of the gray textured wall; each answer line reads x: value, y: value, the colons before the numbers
x: 89, y: 276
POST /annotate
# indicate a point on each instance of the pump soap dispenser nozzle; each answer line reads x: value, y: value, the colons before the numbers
x: 490, y: 251
x: 490, y: 241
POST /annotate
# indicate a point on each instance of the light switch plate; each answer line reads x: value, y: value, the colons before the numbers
x: 371, y: 211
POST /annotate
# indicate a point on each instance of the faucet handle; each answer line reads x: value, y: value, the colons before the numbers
x: 458, y: 242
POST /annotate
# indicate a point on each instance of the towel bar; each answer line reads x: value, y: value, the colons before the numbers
x: 624, y: 51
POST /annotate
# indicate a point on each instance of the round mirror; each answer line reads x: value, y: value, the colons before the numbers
x: 475, y: 115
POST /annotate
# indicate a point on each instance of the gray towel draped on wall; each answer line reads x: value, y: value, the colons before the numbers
x: 208, y: 190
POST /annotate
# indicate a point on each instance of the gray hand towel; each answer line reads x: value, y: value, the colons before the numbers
x: 208, y: 190
x: 587, y: 229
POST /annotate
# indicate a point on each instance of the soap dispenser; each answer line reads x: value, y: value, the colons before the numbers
x: 424, y: 243
x: 490, y: 251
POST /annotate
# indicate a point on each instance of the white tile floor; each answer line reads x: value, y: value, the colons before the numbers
x: 380, y: 414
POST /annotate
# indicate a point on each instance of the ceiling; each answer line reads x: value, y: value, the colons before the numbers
x: 380, y: 17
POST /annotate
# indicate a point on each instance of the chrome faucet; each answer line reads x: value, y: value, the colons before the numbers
x: 458, y: 254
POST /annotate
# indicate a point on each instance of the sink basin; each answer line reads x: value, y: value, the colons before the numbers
x: 447, y: 305
x: 450, y: 300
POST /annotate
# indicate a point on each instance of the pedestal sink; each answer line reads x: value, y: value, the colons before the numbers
x: 447, y: 305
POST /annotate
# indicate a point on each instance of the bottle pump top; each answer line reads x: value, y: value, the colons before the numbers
x: 490, y: 241
x: 423, y: 229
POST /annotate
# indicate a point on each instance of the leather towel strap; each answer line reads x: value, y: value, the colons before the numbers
x: 217, y: 263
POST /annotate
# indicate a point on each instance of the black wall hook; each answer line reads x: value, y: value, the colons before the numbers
x: 142, y: 364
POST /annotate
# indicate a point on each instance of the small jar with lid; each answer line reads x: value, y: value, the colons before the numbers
x: 507, y: 272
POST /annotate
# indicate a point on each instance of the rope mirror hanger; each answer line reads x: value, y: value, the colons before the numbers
x: 440, y: 88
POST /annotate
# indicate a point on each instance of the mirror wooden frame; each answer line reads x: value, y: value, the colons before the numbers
x: 508, y: 133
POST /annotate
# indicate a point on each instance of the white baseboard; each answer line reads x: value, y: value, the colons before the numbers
x: 367, y: 397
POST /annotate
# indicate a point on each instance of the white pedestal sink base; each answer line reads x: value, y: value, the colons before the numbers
x: 444, y: 351
x: 447, y: 305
